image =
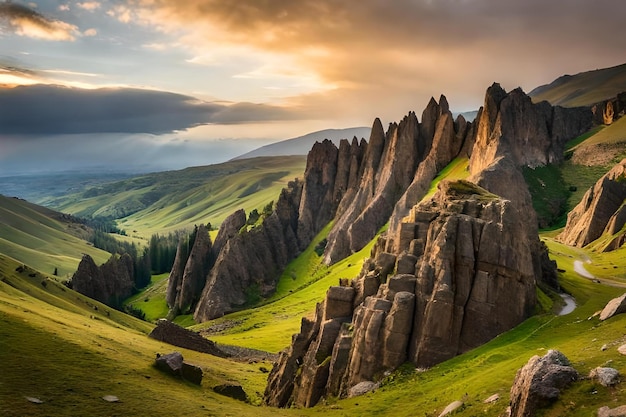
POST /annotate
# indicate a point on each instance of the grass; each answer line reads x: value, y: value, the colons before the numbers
x: 557, y: 189
x: 269, y: 326
x: 40, y: 238
x: 585, y: 88
x: 167, y: 201
x: 458, y: 169
x: 152, y: 300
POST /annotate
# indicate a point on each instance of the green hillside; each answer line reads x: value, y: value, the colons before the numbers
x: 583, y: 89
x: 167, y: 201
x: 558, y: 188
x: 78, y: 351
x: 42, y: 238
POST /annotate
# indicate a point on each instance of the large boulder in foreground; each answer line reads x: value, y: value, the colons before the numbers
x: 539, y: 383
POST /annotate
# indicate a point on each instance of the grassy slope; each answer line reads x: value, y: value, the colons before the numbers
x: 550, y: 185
x: 35, y: 236
x: 51, y: 336
x: 583, y: 89
x: 166, y: 201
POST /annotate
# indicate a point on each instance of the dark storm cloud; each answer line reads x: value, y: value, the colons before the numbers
x: 50, y: 110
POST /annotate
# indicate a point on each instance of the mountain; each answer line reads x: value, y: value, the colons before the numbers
x: 302, y: 144
x: 44, y: 239
x: 583, y: 89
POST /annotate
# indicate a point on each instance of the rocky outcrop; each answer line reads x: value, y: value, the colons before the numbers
x: 540, y: 382
x: 607, y: 377
x: 530, y: 134
x: 463, y: 274
x: 607, y: 111
x: 401, y: 161
x: 602, y: 211
x: 109, y: 283
x: 614, y: 307
x: 250, y: 263
x: 171, y: 333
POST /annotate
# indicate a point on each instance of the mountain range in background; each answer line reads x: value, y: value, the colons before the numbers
x: 302, y: 144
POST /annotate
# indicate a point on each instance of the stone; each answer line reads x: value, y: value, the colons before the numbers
x: 452, y: 407
x: 492, y: 399
x: 34, y: 400
x: 362, y: 388
x: 612, y: 412
x: 607, y: 377
x: 338, y: 302
x: 173, y: 364
x: 613, y: 307
x: 232, y: 391
x: 111, y: 399
x: 622, y: 349
x: 169, y: 332
x: 539, y: 383
x: 604, y: 347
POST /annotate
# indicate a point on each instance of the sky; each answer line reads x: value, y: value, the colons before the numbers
x: 170, y: 83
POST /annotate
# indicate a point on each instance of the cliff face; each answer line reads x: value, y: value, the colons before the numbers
x: 410, y: 152
x: 461, y: 275
x: 451, y: 272
x: 189, y: 271
x: 110, y: 283
x: 602, y: 211
x: 530, y: 134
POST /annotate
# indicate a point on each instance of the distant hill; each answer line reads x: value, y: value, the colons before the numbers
x: 166, y: 201
x: 43, y: 238
x: 302, y: 145
x: 583, y: 89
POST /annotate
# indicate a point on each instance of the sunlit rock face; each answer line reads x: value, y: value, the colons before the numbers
x: 463, y: 273
x: 600, y: 212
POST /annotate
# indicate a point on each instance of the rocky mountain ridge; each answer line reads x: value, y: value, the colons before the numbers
x: 451, y: 272
x: 363, y: 185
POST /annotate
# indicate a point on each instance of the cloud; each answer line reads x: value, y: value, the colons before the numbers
x: 409, y: 48
x: 53, y: 110
x: 89, y: 5
x: 24, y: 21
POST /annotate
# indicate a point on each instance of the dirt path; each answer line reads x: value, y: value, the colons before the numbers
x: 570, y: 304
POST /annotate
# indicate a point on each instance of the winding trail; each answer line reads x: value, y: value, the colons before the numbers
x: 570, y: 304
x: 579, y: 268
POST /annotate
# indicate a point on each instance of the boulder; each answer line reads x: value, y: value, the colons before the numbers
x: 232, y: 391
x: 613, y: 307
x: 169, y: 332
x: 612, y: 412
x: 173, y: 364
x: 539, y: 383
x: 607, y: 377
x: 362, y: 388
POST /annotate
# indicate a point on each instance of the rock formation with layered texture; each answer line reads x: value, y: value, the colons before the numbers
x: 451, y: 272
x: 110, y: 283
x: 462, y: 275
x: 407, y: 156
x: 601, y: 212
